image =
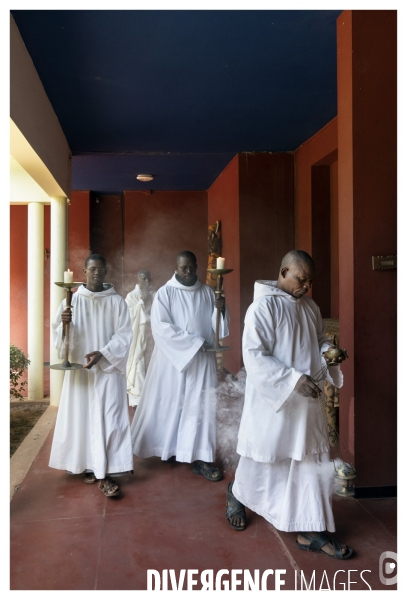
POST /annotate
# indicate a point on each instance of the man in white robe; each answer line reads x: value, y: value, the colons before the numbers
x: 284, y: 472
x: 139, y: 302
x: 92, y: 431
x: 176, y: 415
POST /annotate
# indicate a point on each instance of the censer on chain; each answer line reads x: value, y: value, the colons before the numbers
x: 344, y: 472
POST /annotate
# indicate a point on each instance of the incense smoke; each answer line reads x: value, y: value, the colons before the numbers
x: 230, y: 399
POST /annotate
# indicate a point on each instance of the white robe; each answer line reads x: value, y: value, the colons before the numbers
x: 282, y: 436
x: 92, y: 430
x: 136, y: 363
x: 176, y: 415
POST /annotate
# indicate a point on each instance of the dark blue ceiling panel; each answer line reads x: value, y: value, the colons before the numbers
x: 113, y: 173
x: 177, y: 81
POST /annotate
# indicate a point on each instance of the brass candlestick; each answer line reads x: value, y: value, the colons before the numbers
x: 218, y: 291
x: 66, y: 365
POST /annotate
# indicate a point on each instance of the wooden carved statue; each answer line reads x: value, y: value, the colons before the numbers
x: 214, y: 251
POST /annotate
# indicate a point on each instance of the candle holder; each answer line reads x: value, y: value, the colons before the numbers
x: 66, y: 365
x: 218, y: 291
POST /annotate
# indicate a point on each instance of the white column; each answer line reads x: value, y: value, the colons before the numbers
x: 35, y: 312
x: 58, y: 262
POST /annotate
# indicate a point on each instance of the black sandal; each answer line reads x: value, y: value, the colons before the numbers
x: 89, y: 478
x: 202, y: 468
x: 234, y: 508
x: 319, y: 541
x: 109, y: 487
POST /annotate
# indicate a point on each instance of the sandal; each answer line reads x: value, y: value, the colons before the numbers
x: 109, y: 487
x: 319, y: 541
x: 89, y: 478
x: 207, y: 470
x: 234, y: 508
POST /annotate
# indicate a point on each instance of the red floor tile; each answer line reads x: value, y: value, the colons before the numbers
x: 384, y: 510
x: 358, y: 529
x: 61, y: 554
x: 184, y: 539
x: 51, y: 494
x: 67, y: 535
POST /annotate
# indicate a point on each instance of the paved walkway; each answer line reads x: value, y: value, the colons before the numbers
x: 66, y: 535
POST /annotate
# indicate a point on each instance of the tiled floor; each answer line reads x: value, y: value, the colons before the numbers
x: 66, y: 535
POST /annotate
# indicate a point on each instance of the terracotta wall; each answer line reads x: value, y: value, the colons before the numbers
x: 78, y: 232
x: 157, y: 227
x: 223, y: 205
x: 334, y: 242
x: 254, y: 199
x: 18, y: 276
x: 146, y: 231
x: 367, y: 170
x: 106, y: 234
x: 18, y: 282
x: 316, y: 216
x: 266, y: 185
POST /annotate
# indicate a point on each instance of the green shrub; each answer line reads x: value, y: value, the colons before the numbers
x: 18, y: 364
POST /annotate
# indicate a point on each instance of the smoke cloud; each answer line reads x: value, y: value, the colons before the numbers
x: 230, y: 399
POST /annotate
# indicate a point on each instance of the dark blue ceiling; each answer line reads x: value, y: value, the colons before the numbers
x: 177, y: 93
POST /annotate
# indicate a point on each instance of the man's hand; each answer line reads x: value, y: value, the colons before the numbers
x: 306, y: 387
x: 220, y: 302
x: 92, y: 358
x: 66, y: 316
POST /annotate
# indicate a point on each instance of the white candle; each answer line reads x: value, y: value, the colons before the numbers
x: 220, y: 263
x: 68, y: 276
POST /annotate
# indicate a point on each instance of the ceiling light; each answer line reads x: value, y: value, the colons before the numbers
x: 145, y: 177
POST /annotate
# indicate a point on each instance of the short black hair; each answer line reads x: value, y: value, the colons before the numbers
x: 95, y: 257
x: 296, y: 257
x: 145, y: 272
x: 186, y: 254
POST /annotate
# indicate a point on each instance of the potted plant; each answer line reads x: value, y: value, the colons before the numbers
x: 18, y: 364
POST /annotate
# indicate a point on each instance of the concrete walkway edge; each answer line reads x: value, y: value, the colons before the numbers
x: 28, y: 450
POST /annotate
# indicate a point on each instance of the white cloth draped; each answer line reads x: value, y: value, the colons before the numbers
x: 283, y: 338
x: 137, y: 361
x: 282, y: 437
x: 92, y: 430
x: 292, y: 495
x: 176, y: 415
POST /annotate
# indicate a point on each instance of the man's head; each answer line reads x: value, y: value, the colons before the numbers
x: 144, y: 279
x: 95, y: 271
x: 296, y: 273
x: 186, y: 267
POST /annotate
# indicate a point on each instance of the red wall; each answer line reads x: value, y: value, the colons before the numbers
x: 18, y: 276
x: 316, y: 216
x: 320, y: 145
x: 367, y: 160
x: 223, y: 205
x: 254, y: 199
x: 18, y: 282
x: 157, y: 227
x: 266, y: 184
x: 78, y: 232
x: 106, y: 234
x: 334, y: 241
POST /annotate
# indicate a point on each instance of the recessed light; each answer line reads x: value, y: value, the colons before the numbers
x: 145, y: 177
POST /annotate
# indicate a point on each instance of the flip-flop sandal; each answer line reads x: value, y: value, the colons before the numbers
x: 322, y: 539
x: 234, y: 508
x: 202, y: 468
x: 89, y: 478
x: 109, y: 487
